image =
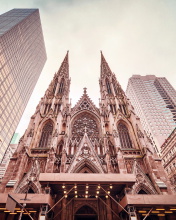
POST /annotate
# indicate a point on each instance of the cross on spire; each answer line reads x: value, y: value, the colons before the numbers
x: 85, y: 90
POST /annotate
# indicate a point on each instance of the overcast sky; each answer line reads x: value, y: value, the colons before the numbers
x: 136, y: 37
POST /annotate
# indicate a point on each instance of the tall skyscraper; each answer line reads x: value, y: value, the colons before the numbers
x: 8, y: 154
x: 154, y: 100
x: 22, y: 57
x: 84, y: 162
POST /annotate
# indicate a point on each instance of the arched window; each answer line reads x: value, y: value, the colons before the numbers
x: 60, y: 148
x: 85, y: 123
x: 124, y: 136
x: 61, y: 87
x: 55, y: 85
x: 46, y: 135
x: 108, y: 86
x: 115, y: 87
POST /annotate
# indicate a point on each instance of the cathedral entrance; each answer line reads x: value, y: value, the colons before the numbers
x: 86, y: 213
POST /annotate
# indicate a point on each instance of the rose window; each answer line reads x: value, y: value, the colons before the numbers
x: 85, y: 123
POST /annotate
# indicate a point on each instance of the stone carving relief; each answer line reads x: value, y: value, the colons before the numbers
x: 55, y: 133
x: 129, y: 165
x: 32, y: 178
x: 115, y: 134
x: 31, y: 133
x: 85, y: 153
x: 142, y: 182
x: 85, y: 105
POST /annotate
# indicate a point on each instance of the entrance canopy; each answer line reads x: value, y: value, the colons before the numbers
x: 87, y: 185
x: 101, y: 178
x: 157, y: 205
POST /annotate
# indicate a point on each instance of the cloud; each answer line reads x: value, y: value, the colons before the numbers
x: 136, y: 36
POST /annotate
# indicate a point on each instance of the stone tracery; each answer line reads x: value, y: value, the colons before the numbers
x: 46, y: 135
x: 124, y: 136
x: 85, y: 123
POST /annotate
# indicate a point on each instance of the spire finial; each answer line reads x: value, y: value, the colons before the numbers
x: 85, y: 90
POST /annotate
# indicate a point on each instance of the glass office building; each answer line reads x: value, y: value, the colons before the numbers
x: 154, y: 100
x: 22, y: 58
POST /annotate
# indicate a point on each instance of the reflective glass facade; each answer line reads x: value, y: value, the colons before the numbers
x: 154, y: 101
x: 22, y: 57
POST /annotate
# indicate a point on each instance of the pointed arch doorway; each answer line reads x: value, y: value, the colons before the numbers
x: 86, y: 213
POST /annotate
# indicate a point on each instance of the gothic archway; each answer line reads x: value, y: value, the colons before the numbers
x: 86, y: 213
x: 142, y: 192
x: 85, y: 166
x: 143, y: 189
x: 32, y: 188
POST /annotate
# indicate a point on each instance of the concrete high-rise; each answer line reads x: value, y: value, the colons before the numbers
x: 22, y: 57
x: 154, y: 100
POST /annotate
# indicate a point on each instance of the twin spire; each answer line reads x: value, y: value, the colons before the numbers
x: 105, y: 73
x: 105, y: 69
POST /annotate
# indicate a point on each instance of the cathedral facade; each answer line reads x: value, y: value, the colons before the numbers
x: 84, y: 162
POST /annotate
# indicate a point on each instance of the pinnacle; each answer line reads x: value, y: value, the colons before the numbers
x: 104, y: 65
x: 83, y: 97
x: 102, y: 57
x: 85, y: 90
x: 66, y: 56
x: 64, y: 66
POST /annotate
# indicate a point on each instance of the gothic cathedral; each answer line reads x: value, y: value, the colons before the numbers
x: 84, y: 162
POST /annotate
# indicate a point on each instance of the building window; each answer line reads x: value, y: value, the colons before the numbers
x: 123, y: 109
x: 61, y: 87
x: 108, y: 86
x: 55, y: 85
x: 115, y: 87
x: 113, y: 109
x: 124, y: 136
x: 46, y: 136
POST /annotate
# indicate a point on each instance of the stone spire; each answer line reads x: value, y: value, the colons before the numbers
x: 64, y: 68
x: 105, y: 70
x: 57, y: 95
x: 113, y: 97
